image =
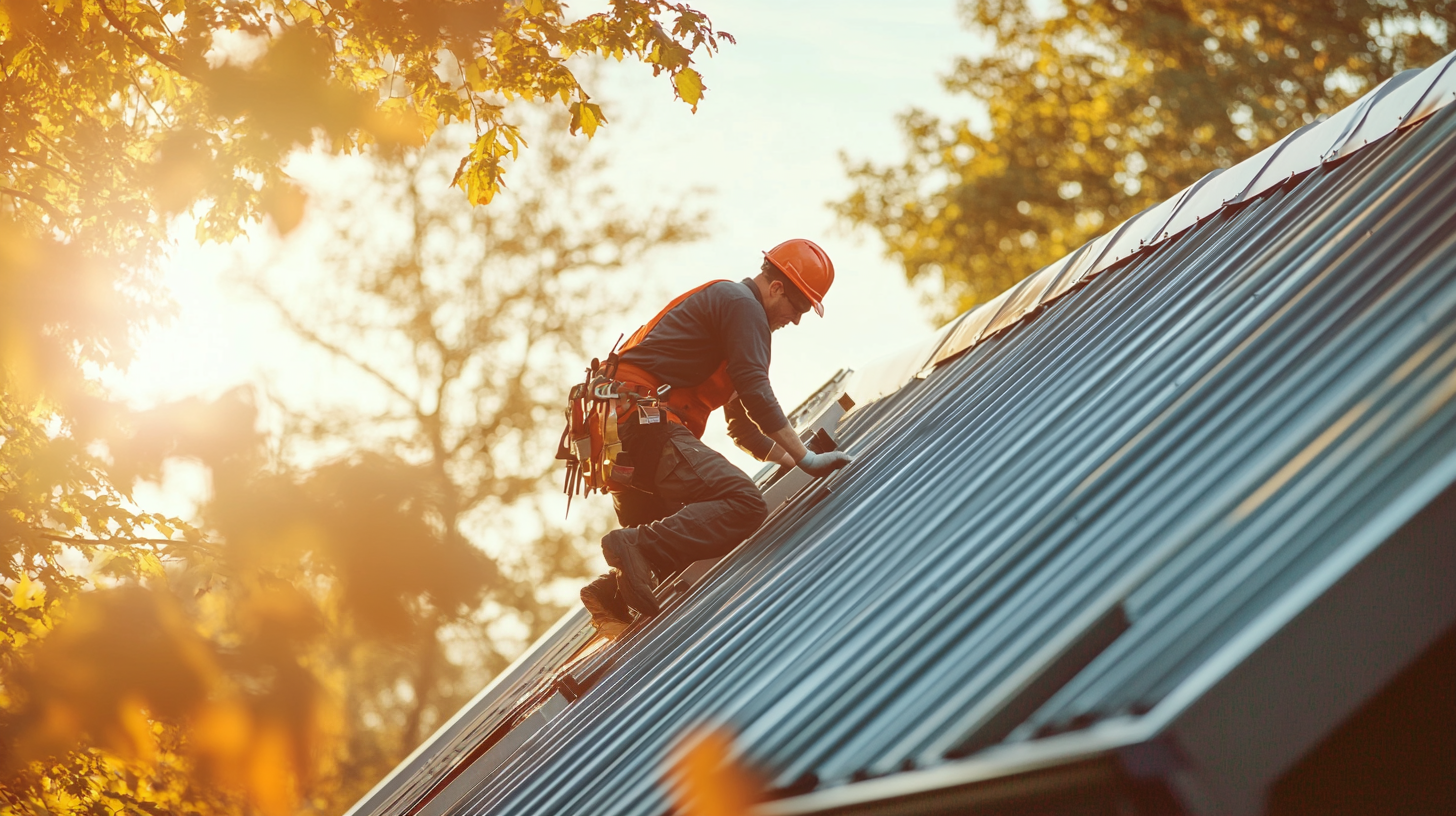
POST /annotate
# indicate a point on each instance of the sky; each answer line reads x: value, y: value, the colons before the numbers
x: 806, y: 82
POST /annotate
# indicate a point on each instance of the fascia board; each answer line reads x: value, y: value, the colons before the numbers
x: 1295, y: 672
x: 1212, y: 765
x: 1104, y: 739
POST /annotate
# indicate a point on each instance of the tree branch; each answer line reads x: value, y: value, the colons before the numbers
x: 147, y: 99
x: 45, y: 166
x: 146, y: 47
x: 49, y: 208
x: 297, y: 326
x: 151, y: 542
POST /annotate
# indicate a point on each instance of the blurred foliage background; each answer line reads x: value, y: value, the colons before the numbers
x: 1097, y: 109
x: 347, y: 580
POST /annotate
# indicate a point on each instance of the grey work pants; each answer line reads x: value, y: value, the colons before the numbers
x: 701, y: 507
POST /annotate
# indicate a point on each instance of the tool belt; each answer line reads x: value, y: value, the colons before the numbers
x: 590, y: 444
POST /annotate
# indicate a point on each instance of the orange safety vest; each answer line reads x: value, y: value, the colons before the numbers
x: 689, y: 405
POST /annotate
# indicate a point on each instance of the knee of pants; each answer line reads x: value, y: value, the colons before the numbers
x: 749, y: 503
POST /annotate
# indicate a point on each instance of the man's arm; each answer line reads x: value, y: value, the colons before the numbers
x: 786, y: 440
x: 779, y: 456
x: 745, y: 433
x: 814, y: 464
x: 747, y: 340
x: 782, y: 446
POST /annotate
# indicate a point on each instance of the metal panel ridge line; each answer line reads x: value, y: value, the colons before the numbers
x: 1354, y: 115
x: 1248, y: 363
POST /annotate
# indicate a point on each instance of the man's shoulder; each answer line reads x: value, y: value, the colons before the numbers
x: 728, y: 290
x: 735, y: 298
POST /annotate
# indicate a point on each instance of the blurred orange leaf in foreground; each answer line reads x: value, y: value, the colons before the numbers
x: 708, y: 780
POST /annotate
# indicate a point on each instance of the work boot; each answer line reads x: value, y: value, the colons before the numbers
x: 609, y: 614
x: 636, y: 581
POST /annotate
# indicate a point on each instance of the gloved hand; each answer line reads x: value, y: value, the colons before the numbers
x: 823, y: 464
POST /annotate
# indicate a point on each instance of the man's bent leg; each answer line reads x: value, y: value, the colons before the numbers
x: 635, y: 508
x: 604, y: 598
x: 721, y: 505
x: 609, y: 613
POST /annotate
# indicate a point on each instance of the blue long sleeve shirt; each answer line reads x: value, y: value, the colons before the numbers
x: 725, y: 321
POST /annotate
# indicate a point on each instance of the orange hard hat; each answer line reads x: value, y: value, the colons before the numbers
x: 808, y: 266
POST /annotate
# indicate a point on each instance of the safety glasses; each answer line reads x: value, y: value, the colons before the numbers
x: 800, y: 303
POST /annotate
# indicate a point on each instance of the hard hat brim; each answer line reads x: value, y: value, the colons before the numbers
x: 794, y: 277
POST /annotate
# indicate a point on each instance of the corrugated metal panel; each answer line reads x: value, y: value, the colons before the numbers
x: 509, y: 698
x: 1179, y: 442
x: 1399, y: 102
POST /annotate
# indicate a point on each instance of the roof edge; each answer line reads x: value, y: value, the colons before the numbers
x: 1396, y: 104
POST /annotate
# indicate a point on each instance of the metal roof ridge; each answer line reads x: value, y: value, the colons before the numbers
x: 951, y: 341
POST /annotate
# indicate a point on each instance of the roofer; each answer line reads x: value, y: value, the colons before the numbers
x: 708, y: 349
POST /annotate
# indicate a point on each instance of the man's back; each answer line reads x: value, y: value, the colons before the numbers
x: 724, y: 322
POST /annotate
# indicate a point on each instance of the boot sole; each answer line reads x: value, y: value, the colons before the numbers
x: 610, y: 630
x: 637, y: 588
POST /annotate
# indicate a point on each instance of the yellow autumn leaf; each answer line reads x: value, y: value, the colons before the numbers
x: 150, y: 565
x: 61, y: 801
x: 586, y: 116
x: 27, y: 593
x: 148, y: 16
x: 689, y: 86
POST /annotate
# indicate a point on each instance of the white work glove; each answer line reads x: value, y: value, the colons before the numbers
x: 823, y: 464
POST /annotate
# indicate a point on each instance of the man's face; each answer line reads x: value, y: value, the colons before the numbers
x: 785, y: 305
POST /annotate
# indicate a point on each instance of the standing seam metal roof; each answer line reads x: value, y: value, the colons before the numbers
x: 1132, y: 476
x: 1400, y: 102
x: 1182, y: 440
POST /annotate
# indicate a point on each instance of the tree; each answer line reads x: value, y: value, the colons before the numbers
x: 118, y: 112
x: 116, y: 117
x: 1100, y: 108
x: 293, y: 643
x: 181, y: 671
x: 463, y: 328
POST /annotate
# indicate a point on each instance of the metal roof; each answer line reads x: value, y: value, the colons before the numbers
x: 1400, y: 102
x: 1074, y: 524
